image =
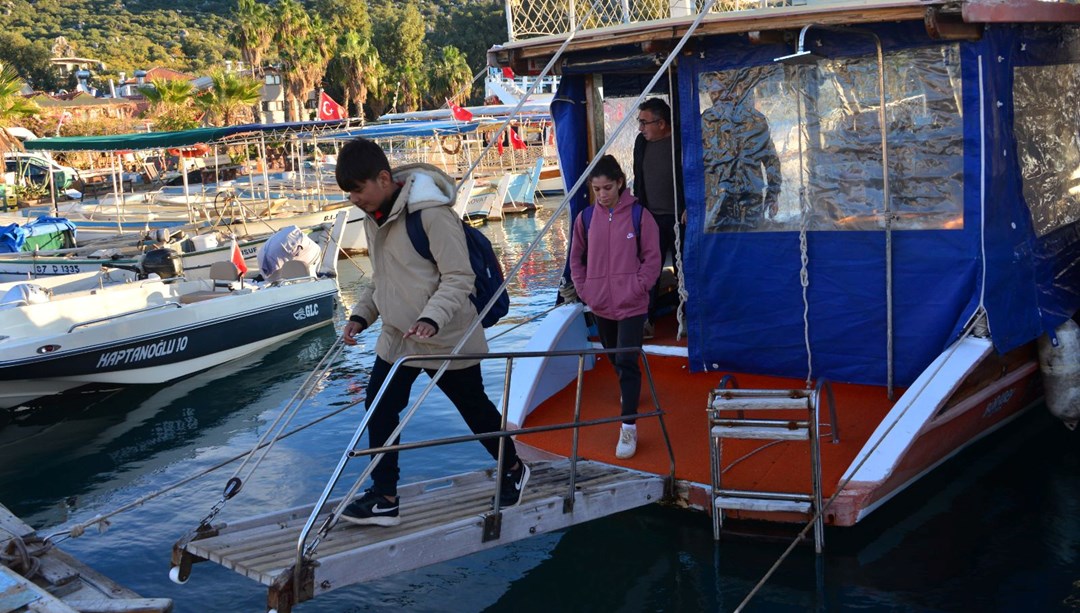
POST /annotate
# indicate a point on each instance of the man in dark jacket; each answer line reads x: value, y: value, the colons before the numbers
x: 658, y: 182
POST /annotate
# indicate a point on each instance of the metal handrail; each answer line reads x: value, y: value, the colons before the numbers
x: 304, y: 549
x: 117, y: 316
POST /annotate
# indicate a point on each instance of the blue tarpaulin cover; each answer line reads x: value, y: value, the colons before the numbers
x: 14, y: 236
x: 745, y: 311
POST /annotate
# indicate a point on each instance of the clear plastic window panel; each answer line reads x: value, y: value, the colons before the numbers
x: 788, y: 144
x: 1047, y: 125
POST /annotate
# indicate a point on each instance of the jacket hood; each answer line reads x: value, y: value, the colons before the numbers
x: 423, y: 186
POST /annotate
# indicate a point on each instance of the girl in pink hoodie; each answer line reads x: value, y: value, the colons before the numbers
x: 613, y: 268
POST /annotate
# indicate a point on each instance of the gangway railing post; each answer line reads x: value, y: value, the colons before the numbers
x: 568, y: 502
x: 669, y: 488
x: 493, y: 520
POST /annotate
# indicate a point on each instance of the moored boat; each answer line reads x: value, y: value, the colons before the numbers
x: 158, y: 330
x: 917, y: 251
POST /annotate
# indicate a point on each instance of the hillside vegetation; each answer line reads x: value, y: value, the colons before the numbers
x: 193, y: 36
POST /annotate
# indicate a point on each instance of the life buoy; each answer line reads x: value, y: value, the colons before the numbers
x: 194, y: 151
x: 450, y: 143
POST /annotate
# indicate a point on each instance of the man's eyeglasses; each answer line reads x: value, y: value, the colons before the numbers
x: 643, y: 122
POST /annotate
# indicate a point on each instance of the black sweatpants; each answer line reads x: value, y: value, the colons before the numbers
x: 464, y: 388
x: 618, y: 334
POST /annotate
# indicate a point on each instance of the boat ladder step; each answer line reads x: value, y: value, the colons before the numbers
x: 440, y: 520
x: 751, y: 414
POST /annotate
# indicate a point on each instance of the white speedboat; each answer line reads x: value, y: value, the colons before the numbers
x: 158, y: 330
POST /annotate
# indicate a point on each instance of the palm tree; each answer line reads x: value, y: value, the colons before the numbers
x: 304, y: 46
x: 12, y: 105
x: 229, y: 95
x: 170, y: 104
x: 255, y: 33
x: 359, y: 70
x: 450, y: 77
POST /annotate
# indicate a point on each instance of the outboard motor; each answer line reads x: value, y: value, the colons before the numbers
x: 165, y: 263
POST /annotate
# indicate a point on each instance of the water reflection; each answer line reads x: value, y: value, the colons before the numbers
x: 136, y: 430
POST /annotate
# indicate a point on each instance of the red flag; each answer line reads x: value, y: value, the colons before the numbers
x: 238, y: 258
x: 508, y: 72
x: 328, y: 109
x: 499, y: 145
x: 459, y: 113
x: 515, y: 139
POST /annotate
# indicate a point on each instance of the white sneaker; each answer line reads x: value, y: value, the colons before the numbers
x: 627, y: 446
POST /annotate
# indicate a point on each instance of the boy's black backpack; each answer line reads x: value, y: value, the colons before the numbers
x: 485, y: 266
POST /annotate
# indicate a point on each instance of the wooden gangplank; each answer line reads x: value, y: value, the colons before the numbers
x: 440, y: 520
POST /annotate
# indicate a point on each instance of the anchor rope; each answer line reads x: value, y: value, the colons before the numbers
x: 22, y: 560
x: 282, y: 421
x: 101, y: 520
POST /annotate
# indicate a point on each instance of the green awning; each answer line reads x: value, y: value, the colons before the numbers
x: 162, y: 140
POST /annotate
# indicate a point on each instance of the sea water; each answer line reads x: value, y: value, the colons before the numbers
x: 995, y: 529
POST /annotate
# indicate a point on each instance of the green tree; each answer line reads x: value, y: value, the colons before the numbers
x: 303, y: 43
x: 171, y: 104
x: 254, y: 32
x: 30, y: 59
x: 449, y: 77
x: 229, y: 98
x: 357, y: 67
x: 345, y: 16
x: 13, y: 106
x: 399, y: 36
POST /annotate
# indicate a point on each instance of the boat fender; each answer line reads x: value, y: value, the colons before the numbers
x: 1060, y: 366
x: 165, y: 263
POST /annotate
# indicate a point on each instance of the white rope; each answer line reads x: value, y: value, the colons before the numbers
x: 684, y: 296
x: 804, y: 252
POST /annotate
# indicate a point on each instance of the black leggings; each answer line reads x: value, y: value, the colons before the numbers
x: 618, y: 334
x: 464, y: 388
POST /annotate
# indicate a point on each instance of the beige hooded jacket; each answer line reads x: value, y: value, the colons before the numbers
x: 406, y: 287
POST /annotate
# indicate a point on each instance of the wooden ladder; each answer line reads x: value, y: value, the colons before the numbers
x: 723, y: 402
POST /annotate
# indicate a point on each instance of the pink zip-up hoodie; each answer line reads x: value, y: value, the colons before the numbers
x: 615, y: 278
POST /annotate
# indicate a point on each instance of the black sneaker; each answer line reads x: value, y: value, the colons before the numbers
x: 372, y: 509
x: 513, y: 484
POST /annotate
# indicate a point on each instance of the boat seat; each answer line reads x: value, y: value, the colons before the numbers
x: 223, y: 274
x: 291, y: 270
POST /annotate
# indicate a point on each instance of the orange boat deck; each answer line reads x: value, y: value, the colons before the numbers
x: 683, y: 396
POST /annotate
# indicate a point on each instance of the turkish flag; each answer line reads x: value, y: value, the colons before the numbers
x: 328, y: 109
x: 238, y: 258
x: 508, y: 72
x: 459, y: 113
x: 515, y: 139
